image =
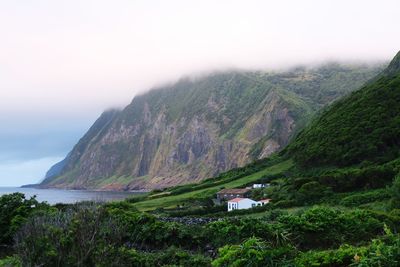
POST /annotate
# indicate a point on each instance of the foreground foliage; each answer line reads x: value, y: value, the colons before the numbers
x: 116, y: 234
x: 15, y: 210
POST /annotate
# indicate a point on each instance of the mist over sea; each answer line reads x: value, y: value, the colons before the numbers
x: 53, y: 196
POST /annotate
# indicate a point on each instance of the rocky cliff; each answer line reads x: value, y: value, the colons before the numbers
x: 197, y: 128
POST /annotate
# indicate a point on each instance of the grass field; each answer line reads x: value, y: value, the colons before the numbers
x: 173, y: 201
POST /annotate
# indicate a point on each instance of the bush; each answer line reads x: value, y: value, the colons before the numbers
x: 351, y: 179
x: 235, y: 231
x: 175, y: 257
x: 10, y: 262
x: 196, y: 211
x: 73, y: 238
x: 252, y: 252
x: 365, y: 197
x: 285, y: 204
x: 311, y: 192
x: 344, y: 256
x: 322, y: 227
x: 15, y: 209
x: 382, y: 252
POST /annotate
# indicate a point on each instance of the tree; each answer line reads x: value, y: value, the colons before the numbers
x: 14, y: 211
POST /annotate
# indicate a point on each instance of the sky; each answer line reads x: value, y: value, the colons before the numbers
x: 62, y: 62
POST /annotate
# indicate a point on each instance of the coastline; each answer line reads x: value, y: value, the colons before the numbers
x: 37, y: 186
x: 70, y: 196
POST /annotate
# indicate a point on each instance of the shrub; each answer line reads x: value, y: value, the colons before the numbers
x: 252, y: 252
x: 72, y: 238
x: 382, y: 252
x: 285, y: 204
x: 322, y: 227
x: 344, y: 256
x: 10, y: 262
x: 174, y: 256
x: 311, y: 192
x: 15, y: 209
x: 197, y: 211
x: 365, y: 197
x: 351, y: 179
x: 236, y: 230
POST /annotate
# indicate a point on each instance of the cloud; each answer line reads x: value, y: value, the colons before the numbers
x: 85, y: 55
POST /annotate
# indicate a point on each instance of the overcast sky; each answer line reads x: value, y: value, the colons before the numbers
x: 63, y: 62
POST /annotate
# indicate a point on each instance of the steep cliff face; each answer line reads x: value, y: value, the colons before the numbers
x: 195, y: 129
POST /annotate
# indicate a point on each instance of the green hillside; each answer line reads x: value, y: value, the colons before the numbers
x: 365, y: 126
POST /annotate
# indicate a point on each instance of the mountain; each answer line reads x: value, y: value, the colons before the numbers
x: 197, y: 128
x: 362, y: 127
x: 56, y: 169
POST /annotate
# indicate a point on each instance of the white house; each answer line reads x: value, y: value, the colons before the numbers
x: 240, y: 203
x: 260, y: 185
x: 245, y: 203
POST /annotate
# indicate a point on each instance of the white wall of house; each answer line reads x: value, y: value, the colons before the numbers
x: 261, y: 185
x: 245, y: 203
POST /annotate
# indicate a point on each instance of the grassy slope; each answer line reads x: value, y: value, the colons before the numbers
x: 173, y: 201
x: 364, y: 126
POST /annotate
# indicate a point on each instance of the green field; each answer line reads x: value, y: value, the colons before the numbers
x: 173, y: 201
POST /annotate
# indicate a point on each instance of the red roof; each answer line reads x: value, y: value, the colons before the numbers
x: 236, y: 199
x: 265, y: 200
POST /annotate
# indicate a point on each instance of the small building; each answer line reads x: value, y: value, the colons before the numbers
x: 260, y: 185
x: 228, y: 194
x: 241, y: 204
x: 245, y: 203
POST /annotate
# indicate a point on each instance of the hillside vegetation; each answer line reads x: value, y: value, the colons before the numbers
x: 365, y: 126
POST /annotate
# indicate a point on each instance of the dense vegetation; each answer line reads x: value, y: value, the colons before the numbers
x: 116, y: 234
x: 363, y: 127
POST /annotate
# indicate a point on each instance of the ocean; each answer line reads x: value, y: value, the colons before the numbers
x: 53, y: 196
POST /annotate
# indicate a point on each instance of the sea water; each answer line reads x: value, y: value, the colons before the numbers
x: 53, y: 196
